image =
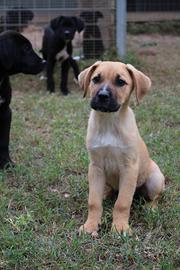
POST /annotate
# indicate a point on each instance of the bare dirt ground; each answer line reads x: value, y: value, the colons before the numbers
x: 160, y: 56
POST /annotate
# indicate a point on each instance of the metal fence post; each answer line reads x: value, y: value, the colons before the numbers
x: 121, y: 19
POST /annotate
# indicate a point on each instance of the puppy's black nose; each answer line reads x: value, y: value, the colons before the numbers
x: 103, y: 95
x: 67, y: 33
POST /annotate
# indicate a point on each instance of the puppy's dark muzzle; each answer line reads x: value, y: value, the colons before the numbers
x: 104, y: 101
x: 103, y: 96
x: 38, y: 67
x: 68, y: 35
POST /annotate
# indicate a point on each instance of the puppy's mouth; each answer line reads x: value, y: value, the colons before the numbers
x: 104, y: 101
x: 68, y: 36
x: 34, y: 69
x: 67, y: 39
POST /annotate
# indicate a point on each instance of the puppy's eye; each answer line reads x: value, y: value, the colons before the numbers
x: 96, y: 79
x: 119, y: 82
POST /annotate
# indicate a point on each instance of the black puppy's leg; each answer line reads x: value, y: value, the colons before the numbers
x: 75, y: 67
x: 5, y: 125
x: 50, y: 79
x: 64, y: 76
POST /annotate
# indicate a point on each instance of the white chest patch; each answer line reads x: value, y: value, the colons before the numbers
x: 104, y: 132
x: 106, y: 139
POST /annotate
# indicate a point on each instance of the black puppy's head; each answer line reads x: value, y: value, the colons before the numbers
x: 17, y: 55
x: 67, y: 26
x: 91, y: 16
x: 18, y: 18
x: 19, y: 15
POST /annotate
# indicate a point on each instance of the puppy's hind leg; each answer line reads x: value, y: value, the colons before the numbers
x: 155, y: 184
x: 109, y: 192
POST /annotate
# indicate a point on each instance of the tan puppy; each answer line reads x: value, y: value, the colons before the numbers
x: 119, y: 159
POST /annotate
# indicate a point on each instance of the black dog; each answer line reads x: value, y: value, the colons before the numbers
x: 57, y: 45
x: 16, y: 19
x: 92, y: 45
x: 16, y: 55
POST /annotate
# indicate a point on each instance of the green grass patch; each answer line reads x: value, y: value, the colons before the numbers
x: 43, y: 201
x: 162, y: 27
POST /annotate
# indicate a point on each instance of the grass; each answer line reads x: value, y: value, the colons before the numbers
x: 159, y: 27
x: 43, y: 201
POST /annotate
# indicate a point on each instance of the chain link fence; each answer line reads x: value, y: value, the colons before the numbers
x: 31, y: 16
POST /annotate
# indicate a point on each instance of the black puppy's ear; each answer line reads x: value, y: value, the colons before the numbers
x: 54, y: 23
x: 6, y: 54
x: 83, y: 15
x: 98, y: 15
x: 79, y: 24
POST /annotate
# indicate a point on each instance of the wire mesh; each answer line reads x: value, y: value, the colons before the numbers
x: 154, y: 10
x: 31, y: 16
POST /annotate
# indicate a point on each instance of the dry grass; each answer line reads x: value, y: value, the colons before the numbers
x: 160, y: 56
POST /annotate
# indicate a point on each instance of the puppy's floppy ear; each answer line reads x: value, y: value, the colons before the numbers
x: 85, y: 77
x: 79, y: 24
x: 54, y: 23
x: 141, y: 82
x: 98, y: 15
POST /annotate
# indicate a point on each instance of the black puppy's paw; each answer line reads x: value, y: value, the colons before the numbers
x: 65, y: 93
x: 64, y: 90
x: 6, y: 164
x: 51, y: 91
x: 50, y: 86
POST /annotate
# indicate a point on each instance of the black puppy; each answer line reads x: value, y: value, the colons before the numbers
x: 16, y: 19
x: 92, y: 45
x: 16, y: 55
x: 57, y: 45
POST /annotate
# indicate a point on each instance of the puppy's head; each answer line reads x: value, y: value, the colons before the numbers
x: 67, y: 26
x: 17, y: 55
x: 110, y: 85
x: 91, y: 16
x: 19, y: 15
x: 26, y: 15
x: 17, y: 18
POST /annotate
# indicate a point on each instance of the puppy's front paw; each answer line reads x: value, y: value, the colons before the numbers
x: 90, y: 228
x: 120, y: 227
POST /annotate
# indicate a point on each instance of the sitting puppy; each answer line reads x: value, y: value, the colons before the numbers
x: 16, y: 55
x: 57, y: 45
x: 92, y: 45
x: 16, y: 19
x: 119, y: 158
